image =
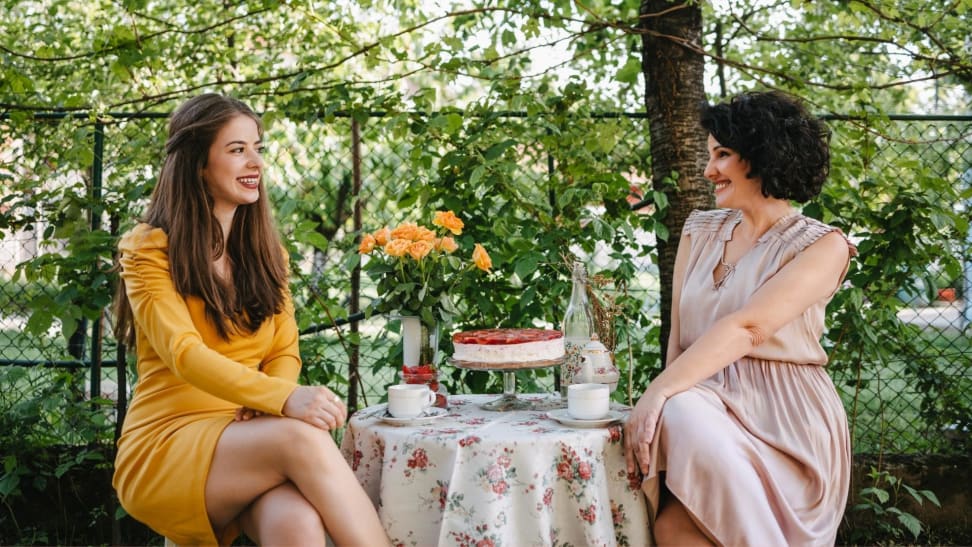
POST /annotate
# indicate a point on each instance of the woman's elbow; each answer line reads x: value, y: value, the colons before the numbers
x: 756, y: 334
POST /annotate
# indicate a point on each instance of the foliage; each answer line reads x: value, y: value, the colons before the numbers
x: 47, y: 429
x: 883, y: 498
x: 417, y: 270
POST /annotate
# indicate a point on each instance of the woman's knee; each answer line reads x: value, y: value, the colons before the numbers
x: 689, y: 419
x: 294, y: 525
x: 664, y: 526
x: 283, y: 516
x: 670, y: 523
x: 675, y: 526
x: 303, y: 442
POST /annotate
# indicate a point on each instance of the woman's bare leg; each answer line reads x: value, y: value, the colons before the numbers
x: 252, y: 457
x: 283, y: 516
x: 675, y: 526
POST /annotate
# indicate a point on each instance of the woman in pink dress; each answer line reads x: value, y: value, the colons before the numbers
x: 742, y: 439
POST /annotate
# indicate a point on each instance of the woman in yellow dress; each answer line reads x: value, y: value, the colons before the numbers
x: 219, y: 437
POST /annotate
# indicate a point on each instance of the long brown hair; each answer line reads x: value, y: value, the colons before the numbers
x: 183, y: 208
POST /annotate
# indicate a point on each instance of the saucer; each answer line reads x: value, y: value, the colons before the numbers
x: 563, y: 417
x: 429, y: 415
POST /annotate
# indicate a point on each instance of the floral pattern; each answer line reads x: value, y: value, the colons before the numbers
x: 479, y: 478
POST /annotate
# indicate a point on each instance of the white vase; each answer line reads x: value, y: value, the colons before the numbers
x: 420, y: 342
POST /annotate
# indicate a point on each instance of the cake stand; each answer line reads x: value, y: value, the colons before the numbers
x: 509, y: 400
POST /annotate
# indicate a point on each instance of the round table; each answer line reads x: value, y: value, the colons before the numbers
x: 475, y: 477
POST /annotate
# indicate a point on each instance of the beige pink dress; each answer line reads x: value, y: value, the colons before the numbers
x: 759, y: 453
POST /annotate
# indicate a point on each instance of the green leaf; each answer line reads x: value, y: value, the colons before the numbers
x: 453, y: 123
x: 914, y: 494
x: 524, y: 267
x: 9, y: 483
x: 477, y: 174
x: 911, y: 523
x: 630, y: 71
x: 930, y: 496
x: 497, y: 149
x: 879, y: 493
x: 660, y: 199
x: 661, y: 231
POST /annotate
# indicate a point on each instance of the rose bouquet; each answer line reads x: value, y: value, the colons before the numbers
x: 417, y: 268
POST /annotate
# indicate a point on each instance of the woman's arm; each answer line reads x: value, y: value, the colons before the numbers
x: 283, y: 360
x: 811, y: 276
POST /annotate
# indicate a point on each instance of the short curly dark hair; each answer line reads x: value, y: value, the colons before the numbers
x: 788, y: 149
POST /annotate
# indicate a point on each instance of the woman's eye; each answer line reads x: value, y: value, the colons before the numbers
x: 261, y: 149
x: 236, y: 150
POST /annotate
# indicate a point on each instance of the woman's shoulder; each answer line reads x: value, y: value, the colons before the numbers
x: 711, y: 220
x: 143, y: 237
x: 805, y: 231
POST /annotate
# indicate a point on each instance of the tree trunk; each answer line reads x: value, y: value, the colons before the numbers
x: 674, y: 91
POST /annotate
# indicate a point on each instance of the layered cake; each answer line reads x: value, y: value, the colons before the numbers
x: 507, y: 348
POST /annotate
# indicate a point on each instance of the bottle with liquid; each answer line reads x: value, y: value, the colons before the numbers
x: 578, y: 326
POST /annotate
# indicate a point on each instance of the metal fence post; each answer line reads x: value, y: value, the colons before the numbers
x: 97, y: 168
x: 354, y: 358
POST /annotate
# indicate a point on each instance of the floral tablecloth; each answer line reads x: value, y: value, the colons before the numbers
x: 480, y: 478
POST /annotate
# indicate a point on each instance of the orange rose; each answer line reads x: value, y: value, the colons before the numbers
x: 405, y: 230
x: 382, y: 236
x: 423, y: 234
x: 418, y: 249
x: 397, y: 247
x: 367, y: 244
x: 446, y: 244
x: 481, y: 258
x: 449, y: 221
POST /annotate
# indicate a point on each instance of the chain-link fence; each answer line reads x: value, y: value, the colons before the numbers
x: 918, y: 399
x: 331, y: 179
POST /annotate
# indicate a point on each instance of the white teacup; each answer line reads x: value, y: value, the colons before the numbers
x: 409, y: 400
x: 588, y: 401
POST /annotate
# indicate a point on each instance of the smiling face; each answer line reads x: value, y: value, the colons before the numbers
x: 728, y: 171
x: 234, y: 166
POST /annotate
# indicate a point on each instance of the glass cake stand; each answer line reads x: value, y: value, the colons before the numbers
x: 509, y: 400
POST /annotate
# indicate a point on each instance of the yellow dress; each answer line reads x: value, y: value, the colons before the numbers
x: 190, y: 384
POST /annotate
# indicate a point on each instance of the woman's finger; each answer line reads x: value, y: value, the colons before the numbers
x: 645, y: 436
x: 340, y: 411
x: 629, y: 455
x: 644, y: 457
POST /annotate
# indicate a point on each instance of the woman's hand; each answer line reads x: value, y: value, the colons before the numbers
x: 245, y: 413
x: 316, y: 405
x: 639, y: 430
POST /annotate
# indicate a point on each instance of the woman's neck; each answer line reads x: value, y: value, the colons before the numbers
x: 224, y: 217
x: 759, y: 218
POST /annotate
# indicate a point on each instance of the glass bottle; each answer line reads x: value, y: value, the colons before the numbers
x: 578, y: 326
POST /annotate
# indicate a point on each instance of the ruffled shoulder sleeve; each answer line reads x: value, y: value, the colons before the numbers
x: 712, y: 221
x: 806, y: 231
x: 144, y: 238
